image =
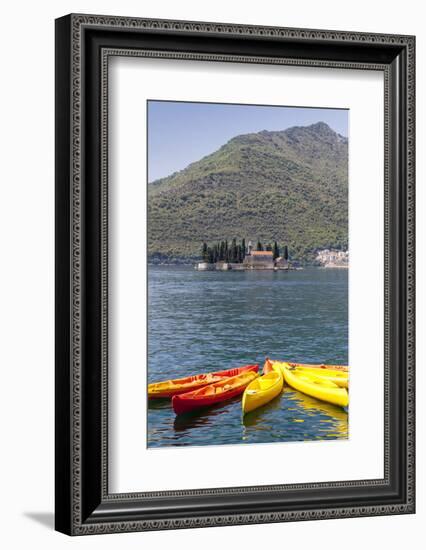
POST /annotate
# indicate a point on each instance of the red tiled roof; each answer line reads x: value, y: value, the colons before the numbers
x: 261, y: 253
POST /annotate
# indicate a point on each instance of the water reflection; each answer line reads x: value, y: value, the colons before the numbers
x: 159, y: 404
x: 205, y: 417
x: 257, y: 417
x: 337, y: 416
x: 294, y: 416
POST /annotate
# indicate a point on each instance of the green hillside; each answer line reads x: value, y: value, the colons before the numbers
x: 290, y: 186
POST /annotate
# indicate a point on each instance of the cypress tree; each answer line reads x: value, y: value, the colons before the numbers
x: 285, y: 254
x: 215, y: 253
x: 204, y: 254
x: 233, y: 253
x: 210, y: 255
x: 276, y: 250
x: 259, y: 246
x: 243, y: 246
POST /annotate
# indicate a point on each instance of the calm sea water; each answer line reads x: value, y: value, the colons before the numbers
x: 207, y: 321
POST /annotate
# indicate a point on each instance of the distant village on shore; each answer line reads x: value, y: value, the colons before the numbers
x: 223, y: 256
x: 332, y: 258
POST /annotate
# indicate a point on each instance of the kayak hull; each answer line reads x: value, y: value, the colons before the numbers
x: 169, y: 388
x: 322, y: 390
x: 322, y: 367
x: 341, y: 381
x: 262, y: 390
x: 333, y: 373
x: 214, y: 393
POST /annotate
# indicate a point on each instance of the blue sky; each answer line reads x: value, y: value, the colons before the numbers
x: 182, y: 132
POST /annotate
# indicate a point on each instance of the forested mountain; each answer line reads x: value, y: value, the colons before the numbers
x: 288, y: 186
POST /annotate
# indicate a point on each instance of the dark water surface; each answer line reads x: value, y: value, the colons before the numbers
x: 207, y: 321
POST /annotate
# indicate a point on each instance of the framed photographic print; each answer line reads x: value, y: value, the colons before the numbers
x: 234, y: 274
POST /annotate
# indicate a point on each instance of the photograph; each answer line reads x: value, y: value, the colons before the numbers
x: 248, y: 265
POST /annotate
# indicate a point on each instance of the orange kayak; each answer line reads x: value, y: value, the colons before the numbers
x: 169, y: 388
x: 214, y: 393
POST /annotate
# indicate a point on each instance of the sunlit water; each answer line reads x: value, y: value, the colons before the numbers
x: 206, y: 321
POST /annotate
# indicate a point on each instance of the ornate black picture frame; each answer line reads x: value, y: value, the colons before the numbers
x: 83, y: 45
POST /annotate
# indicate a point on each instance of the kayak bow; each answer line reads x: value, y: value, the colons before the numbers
x: 262, y: 390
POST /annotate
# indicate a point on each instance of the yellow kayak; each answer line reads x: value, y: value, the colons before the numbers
x: 315, y: 386
x: 262, y: 390
x: 334, y: 373
x: 341, y: 379
x: 316, y: 366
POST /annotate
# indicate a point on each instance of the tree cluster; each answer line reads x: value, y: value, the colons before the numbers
x: 223, y: 251
x: 234, y: 252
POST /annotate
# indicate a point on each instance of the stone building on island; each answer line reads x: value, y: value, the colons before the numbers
x: 264, y: 259
x: 259, y: 259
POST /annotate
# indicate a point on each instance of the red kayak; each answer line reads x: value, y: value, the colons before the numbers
x: 169, y: 388
x: 214, y: 393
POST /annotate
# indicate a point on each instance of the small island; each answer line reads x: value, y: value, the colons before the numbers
x: 239, y: 256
